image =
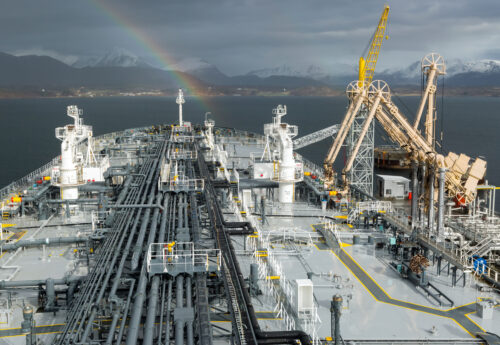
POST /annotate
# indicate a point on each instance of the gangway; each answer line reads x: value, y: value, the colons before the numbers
x: 315, y: 137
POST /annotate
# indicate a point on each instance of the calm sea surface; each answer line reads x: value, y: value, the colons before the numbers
x: 470, y: 124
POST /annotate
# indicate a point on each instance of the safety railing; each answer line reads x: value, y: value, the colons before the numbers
x: 180, y: 185
x: 181, y: 257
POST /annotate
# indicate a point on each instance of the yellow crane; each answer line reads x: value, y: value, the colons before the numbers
x: 367, y: 65
x: 366, y: 70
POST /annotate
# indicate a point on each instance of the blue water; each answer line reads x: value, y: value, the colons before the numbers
x: 470, y: 124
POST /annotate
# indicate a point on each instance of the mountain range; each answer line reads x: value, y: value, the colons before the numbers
x: 119, y: 69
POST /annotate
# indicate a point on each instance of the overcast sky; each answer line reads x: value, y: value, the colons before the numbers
x: 238, y: 36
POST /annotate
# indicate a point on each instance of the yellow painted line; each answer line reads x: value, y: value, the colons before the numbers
x: 411, y: 303
x: 23, y: 233
x: 7, y: 225
x: 273, y: 277
x: 349, y: 225
x: 341, y: 217
x: 344, y: 245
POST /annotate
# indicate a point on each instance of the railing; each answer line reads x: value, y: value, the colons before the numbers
x: 183, y: 155
x: 182, y: 138
x: 177, y: 185
x: 182, y: 256
x: 46, y: 168
x: 460, y: 253
x: 26, y: 180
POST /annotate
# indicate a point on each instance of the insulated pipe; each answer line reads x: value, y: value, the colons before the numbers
x: 139, y: 299
x: 125, y: 313
x: 149, y: 326
x: 315, y: 190
x: 72, y: 201
x: 153, y: 299
x: 135, y: 319
x: 162, y: 311
x: 336, y: 308
x: 189, y: 324
x: 256, y: 183
x: 50, y: 289
x: 53, y: 241
x: 98, y: 279
x: 185, y: 206
x: 104, y: 283
x: 95, y: 187
x: 179, y: 211
x: 140, y: 241
x: 167, y: 316
x: 5, y: 284
x: 440, y: 224
x: 124, y: 191
x: 179, y: 325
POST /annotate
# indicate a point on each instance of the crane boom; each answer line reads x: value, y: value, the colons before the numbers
x: 367, y: 65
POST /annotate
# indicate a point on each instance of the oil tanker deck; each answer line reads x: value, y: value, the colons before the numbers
x: 195, y: 234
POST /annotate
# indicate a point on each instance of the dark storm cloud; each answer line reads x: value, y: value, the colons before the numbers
x: 241, y: 35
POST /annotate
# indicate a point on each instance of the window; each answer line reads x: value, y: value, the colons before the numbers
x: 387, y: 192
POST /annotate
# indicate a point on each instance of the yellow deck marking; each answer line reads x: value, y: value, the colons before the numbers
x: 394, y: 299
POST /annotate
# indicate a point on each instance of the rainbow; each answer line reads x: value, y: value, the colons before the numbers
x: 161, y: 56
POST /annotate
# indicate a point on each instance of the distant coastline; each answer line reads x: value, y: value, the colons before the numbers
x: 312, y: 91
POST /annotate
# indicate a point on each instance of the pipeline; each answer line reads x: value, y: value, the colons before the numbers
x: 141, y: 288
x: 144, y: 225
x: 95, y: 187
x: 256, y: 183
x: 99, y: 278
x: 189, y: 324
x: 491, y: 281
x: 179, y: 300
x: 37, y: 196
x: 5, y: 284
x: 262, y: 337
x: 153, y: 297
x: 53, y: 241
x: 151, y: 309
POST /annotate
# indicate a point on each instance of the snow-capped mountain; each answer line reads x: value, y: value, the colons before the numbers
x: 201, y: 69
x: 191, y: 64
x: 116, y: 57
x: 311, y: 71
x: 454, y: 68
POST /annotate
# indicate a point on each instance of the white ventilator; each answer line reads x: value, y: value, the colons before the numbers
x: 70, y: 170
x: 283, y: 133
